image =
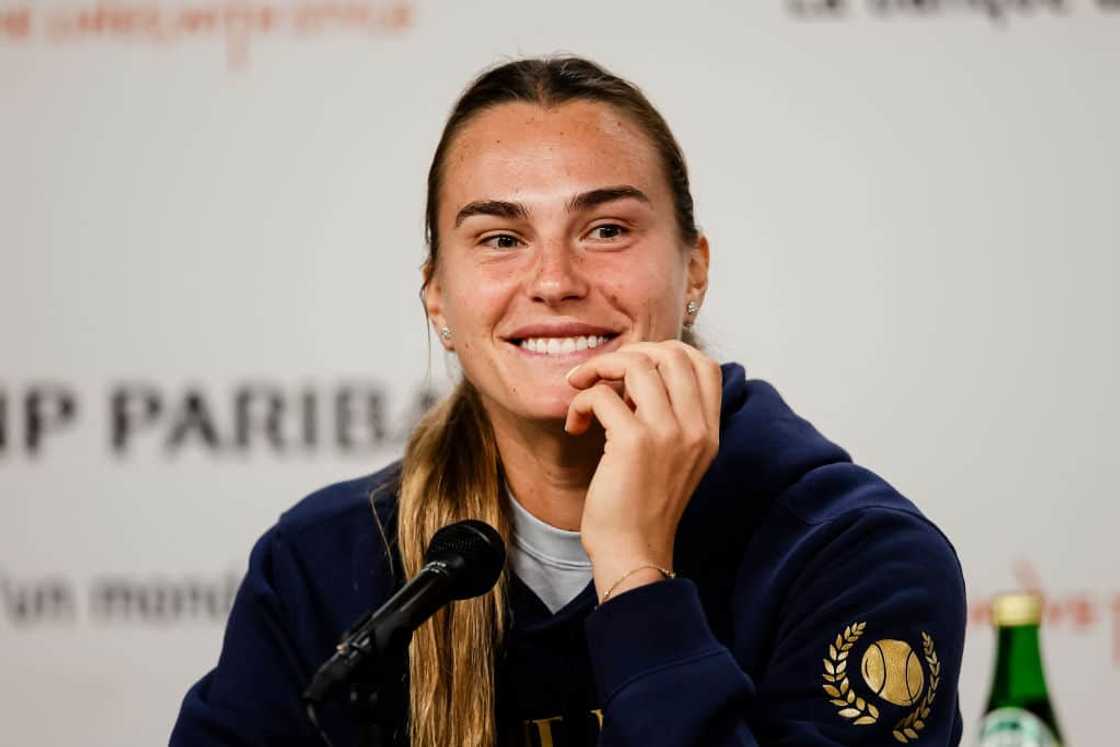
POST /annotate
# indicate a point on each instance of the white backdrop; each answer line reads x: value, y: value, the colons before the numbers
x: 211, y: 211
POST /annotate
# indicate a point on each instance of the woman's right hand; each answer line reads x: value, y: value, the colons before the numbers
x: 656, y: 452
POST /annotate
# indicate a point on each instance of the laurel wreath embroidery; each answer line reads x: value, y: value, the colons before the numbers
x: 907, y: 730
x: 836, y: 683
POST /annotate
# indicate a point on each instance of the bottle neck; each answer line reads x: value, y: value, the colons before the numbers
x: 1018, y: 672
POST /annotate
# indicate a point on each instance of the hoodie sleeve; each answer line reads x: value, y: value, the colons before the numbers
x: 252, y: 697
x: 865, y: 648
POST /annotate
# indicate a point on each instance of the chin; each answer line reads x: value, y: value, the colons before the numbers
x: 547, y: 405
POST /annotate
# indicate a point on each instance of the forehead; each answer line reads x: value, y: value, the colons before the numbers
x: 530, y: 152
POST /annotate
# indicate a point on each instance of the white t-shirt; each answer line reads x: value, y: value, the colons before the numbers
x: 550, y: 561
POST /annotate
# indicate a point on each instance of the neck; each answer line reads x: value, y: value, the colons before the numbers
x: 547, y: 468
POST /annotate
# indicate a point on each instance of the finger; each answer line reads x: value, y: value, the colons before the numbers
x: 709, y: 377
x: 644, y: 385
x: 610, y: 366
x: 699, y: 423
x: 601, y: 403
x: 681, y: 382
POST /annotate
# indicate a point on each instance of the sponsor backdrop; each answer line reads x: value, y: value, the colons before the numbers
x: 211, y: 225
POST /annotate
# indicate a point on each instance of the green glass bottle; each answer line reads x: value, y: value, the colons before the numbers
x: 1019, y: 712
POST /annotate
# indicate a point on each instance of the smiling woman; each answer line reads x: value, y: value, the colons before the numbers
x: 566, y: 229
x: 691, y: 563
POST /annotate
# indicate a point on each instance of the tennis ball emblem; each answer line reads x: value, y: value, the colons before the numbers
x: 893, y: 671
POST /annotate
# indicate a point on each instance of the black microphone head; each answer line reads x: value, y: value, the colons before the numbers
x: 475, y: 553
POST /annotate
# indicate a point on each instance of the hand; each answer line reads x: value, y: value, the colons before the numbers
x: 662, y: 435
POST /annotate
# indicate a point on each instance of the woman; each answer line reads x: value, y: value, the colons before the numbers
x: 690, y: 562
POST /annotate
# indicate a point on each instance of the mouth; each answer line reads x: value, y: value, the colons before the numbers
x: 563, y: 347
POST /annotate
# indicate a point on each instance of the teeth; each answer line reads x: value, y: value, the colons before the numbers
x: 561, y: 345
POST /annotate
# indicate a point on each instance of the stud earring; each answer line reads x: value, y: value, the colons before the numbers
x: 445, y: 333
x: 691, y: 308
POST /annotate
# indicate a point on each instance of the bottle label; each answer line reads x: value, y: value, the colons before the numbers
x: 1015, y: 727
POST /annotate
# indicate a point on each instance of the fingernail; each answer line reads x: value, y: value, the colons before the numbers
x: 570, y: 372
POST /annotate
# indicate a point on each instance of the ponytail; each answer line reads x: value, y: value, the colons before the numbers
x: 450, y: 472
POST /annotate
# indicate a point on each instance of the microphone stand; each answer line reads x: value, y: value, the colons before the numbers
x: 384, y: 633
x: 375, y: 701
x: 372, y: 654
x: 463, y: 560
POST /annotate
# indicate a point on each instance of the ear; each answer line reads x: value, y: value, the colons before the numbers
x: 431, y: 294
x: 698, y: 258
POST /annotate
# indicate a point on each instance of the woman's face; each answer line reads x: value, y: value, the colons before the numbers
x: 558, y: 241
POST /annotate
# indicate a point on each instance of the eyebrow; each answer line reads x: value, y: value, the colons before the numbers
x: 582, y: 201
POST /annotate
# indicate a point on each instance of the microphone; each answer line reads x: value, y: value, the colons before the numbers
x: 463, y: 560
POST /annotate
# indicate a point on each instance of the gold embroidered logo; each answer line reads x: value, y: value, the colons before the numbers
x: 909, y: 727
x: 837, y: 684
x: 893, y: 672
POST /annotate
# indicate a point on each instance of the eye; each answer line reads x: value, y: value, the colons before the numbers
x: 608, y: 231
x: 501, y: 241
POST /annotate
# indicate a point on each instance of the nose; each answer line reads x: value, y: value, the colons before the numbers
x: 557, y: 275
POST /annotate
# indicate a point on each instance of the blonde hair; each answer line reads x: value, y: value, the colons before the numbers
x: 451, y: 472
x: 451, y: 468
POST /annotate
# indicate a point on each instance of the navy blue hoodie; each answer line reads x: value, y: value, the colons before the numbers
x: 814, y: 605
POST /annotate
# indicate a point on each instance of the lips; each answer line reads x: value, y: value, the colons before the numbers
x: 561, y: 339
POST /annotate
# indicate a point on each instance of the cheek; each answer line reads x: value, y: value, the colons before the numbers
x: 651, y: 292
x: 477, y: 301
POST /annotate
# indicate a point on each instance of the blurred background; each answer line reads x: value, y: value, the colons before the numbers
x: 211, y: 220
